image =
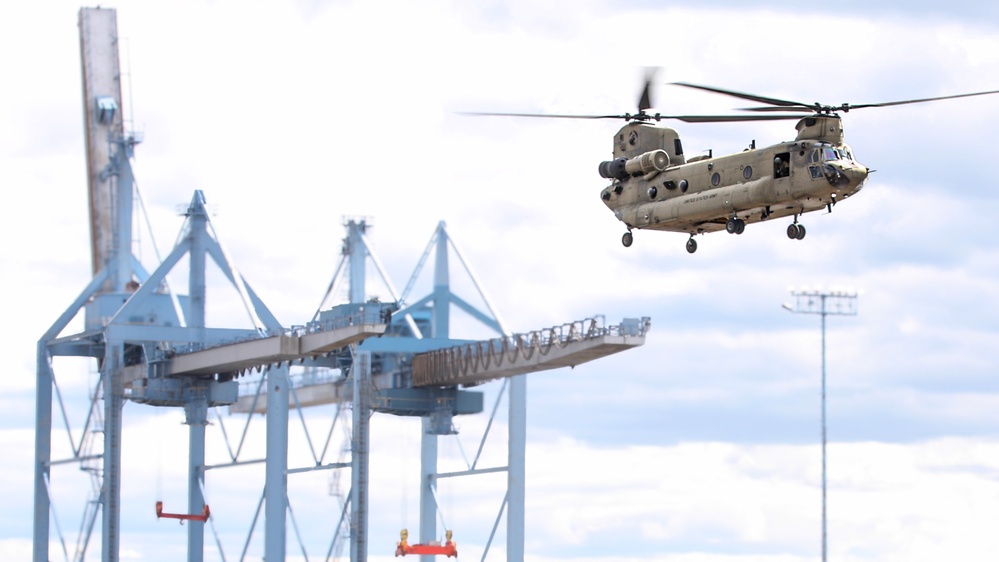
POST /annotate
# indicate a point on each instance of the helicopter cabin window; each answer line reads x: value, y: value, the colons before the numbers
x: 677, y: 147
x: 715, y: 179
x: 747, y: 172
x: 782, y: 165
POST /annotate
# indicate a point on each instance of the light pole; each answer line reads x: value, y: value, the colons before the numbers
x: 823, y: 303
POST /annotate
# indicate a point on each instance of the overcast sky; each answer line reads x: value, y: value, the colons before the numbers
x: 702, y: 445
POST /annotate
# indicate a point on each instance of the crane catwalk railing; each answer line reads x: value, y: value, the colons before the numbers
x: 559, y: 346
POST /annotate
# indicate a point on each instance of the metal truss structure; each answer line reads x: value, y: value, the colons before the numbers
x: 153, y: 347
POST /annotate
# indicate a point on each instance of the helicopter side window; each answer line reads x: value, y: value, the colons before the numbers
x: 829, y: 154
x: 782, y: 165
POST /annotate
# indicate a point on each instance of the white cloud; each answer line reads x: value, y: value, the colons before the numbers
x: 699, y: 499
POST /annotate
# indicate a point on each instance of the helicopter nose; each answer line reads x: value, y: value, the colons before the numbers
x: 858, y: 175
x: 845, y: 176
x: 855, y: 176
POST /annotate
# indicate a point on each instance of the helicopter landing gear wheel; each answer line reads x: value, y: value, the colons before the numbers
x: 627, y: 239
x: 792, y: 231
x: 801, y: 232
x: 735, y: 226
x: 691, y: 245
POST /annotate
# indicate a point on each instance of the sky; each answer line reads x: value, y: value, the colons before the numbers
x: 700, y: 446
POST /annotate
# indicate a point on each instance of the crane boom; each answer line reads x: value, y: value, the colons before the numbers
x: 103, y: 122
x: 561, y: 346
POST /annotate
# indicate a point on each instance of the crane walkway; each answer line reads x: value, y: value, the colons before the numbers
x: 567, y: 345
x: 472, y: 363
x: 314, y: 339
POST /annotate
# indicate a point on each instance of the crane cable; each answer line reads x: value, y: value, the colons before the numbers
x: 211, y: 522
x: 159, y: 465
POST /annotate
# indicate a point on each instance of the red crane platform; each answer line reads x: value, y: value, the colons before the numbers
x: 449, y: 548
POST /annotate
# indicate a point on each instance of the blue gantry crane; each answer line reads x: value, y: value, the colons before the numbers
x: 418, y: 369
x: 152, y: 346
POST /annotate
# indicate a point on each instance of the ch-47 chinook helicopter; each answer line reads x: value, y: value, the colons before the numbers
x: 653, y: 186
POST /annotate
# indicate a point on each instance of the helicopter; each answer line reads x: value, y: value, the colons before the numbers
x: 653, y: 186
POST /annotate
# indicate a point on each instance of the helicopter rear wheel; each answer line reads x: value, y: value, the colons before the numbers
x: 801, y: 232
x: 627, y: 239
x: 792, y: 231
x: 691, y: 245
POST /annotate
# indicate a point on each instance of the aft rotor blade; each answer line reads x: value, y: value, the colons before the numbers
x: 645, y: 101
x: 745, y: 96
x: 847, y: 107
x: 543, y: 115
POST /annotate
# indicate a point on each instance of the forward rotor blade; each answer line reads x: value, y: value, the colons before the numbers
x: 750, y: 97
x: 785, y: 108
x: 847, y: 107
x: 644, y: 117
x: 727, y: 118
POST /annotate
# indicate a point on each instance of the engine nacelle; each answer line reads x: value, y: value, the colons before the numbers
x: 651, y: 162
x: 614, y: 169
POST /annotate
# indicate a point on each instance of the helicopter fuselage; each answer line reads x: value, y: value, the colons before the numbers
x: 655, y: 187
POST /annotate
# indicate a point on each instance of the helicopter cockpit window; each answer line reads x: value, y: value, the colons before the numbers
x: 782, y: 165
x: 828, y: 154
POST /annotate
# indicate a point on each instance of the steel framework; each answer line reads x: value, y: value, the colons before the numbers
x: 153, y: 347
